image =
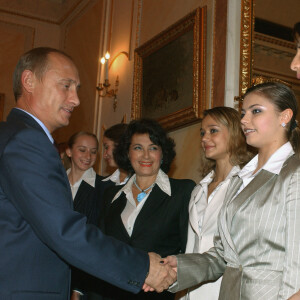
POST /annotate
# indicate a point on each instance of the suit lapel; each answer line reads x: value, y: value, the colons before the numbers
x: 234, y: 186
x: 153, y: 204
x: 117, y: 208
x: 193, y: 209
x: 248, y: 192
x: 21, y: 119
x: 232, y: 204
x: 214, y: 206
x: 19, y: 116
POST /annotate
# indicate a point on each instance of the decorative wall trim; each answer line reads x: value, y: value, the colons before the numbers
x: 151, y: 54
x: 219, y: 53
x: 28, y: 31
x: 138, y: 24
x: 267, y: 50
x: 274, y: 41
x: 75, y: 17
x: 290, y: 79
x: 130, y: 50
x: 46, y: 19
x: 247, y: 37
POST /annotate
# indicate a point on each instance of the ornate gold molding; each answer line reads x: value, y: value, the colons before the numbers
x: 274, y: 41
x: 246, y: 44
x: 138, y: 24
x: 195, y: 22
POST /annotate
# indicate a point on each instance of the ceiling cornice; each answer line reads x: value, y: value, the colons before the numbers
x: 49, y: 11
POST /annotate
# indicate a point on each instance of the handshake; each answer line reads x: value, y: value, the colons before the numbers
x: 162, y: 273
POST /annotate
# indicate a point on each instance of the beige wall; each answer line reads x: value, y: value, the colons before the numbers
x: 142, y: 20
x: 17, y: 35
x: 79, y: 30
x: 73, y: 26
x: 81, y: 39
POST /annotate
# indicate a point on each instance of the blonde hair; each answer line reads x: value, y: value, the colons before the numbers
x: 237, y: 147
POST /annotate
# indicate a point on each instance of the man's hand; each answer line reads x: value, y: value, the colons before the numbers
x: 160, y: 276
x: 295, y: 296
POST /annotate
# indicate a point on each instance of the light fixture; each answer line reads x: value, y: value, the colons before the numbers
x: 103, y: 88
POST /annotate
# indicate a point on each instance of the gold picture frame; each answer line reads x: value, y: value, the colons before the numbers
x: 169, y: 74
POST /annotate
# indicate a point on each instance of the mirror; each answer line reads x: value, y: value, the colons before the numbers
x: 267, y: 46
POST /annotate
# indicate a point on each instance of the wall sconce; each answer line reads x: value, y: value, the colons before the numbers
x: 103, y: 88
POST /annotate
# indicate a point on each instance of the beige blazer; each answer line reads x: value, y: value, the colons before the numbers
x: 257, y: 247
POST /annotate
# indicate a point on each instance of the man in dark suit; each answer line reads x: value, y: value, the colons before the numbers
x: 40, y: 233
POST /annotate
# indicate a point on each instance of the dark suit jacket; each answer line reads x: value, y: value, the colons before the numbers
x: 40, y: 233
x: 161, y: 225
x: 89, y: 200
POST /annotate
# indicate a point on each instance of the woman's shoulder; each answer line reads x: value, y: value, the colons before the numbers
x: 291, y: 164
x: 99, y: 177
x: 182, y: 182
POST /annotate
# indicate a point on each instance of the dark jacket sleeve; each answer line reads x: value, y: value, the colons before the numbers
x: 41, y: 194
x: 186, y: 187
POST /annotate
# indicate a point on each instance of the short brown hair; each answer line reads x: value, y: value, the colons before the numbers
x: 75, y: 136
x: 237, y: 147
x: 35, y: 60
x: 296, y: 31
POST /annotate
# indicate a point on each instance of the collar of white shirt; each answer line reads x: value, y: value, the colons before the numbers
x: 210, y: 176
x: 40, y: 123
x: 89, y: 176
x: 273, y: 165
x: 203, y: 184
x: 115, y: 177
x: 162, y: 180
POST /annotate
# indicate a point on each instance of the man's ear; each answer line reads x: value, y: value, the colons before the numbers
x: 28, y: 80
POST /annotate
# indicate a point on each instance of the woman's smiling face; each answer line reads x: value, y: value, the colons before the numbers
x: 144, y: 155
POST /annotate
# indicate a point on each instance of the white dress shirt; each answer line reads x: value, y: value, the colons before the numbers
x: 203, y: 215
x: 201, y: 200
x: 131, y: 210
x: 89, y: 176
x: 273, y: 165
x: 115, y: 177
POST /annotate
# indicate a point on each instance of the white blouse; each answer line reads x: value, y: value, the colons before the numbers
x: 131, y: 210
x: 115, y: 177
x: 273, y: 165
x: 89, y: 176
